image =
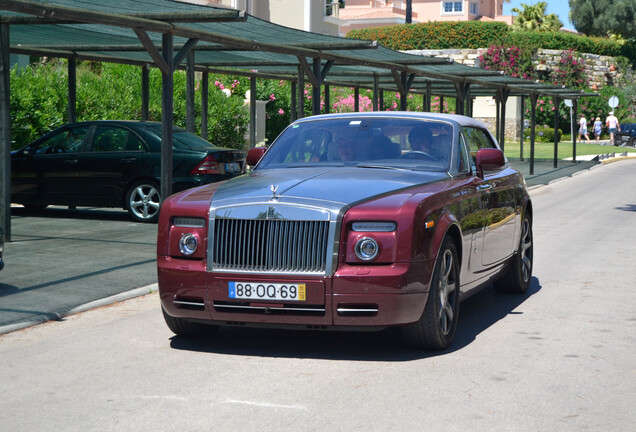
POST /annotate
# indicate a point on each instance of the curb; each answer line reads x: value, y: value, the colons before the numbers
x: 127, y: 295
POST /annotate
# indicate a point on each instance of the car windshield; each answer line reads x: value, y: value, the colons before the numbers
x: 414, y: 144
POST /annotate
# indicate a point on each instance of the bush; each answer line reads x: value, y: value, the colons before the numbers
x: 477, y: 34
x: 565, y: 41
x: 435, y: 35
x: 39, y: 97
x: 546, y: 134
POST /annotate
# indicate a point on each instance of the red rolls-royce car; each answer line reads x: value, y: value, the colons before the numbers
x: 360, y: 220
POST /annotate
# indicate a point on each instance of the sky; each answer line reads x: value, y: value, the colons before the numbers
x: 558, y: 7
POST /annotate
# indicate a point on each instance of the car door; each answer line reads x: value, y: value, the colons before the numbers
x: 500, y: 217
x: 115, y: 156
x: 45, y: 172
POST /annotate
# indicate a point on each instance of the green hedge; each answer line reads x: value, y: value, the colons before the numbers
x: 39, y: 95
x: 565, y: 41
x: 435, y: 35
x: 477, y: 34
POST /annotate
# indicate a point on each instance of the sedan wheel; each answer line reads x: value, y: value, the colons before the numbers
x: 182, y: 327
x: 519, y: 273
x: 143, y: 202
x: 436, y: 327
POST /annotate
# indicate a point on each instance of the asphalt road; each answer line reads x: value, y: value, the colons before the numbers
x: 560, y: 358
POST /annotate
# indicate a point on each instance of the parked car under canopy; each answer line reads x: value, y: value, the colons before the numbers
x: 114, y: 164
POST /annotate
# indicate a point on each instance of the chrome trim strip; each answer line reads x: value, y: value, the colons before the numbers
x: 345, y: 310
x: 294, y: 309
x: 187, y: 303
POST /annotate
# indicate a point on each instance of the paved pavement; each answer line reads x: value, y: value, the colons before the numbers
x: 64, y: 261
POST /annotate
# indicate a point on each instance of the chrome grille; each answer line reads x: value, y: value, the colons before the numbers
x: 270, y: 246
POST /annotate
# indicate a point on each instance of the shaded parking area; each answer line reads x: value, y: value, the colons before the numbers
x: 60, y: 259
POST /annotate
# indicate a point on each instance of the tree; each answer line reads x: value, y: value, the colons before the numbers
x: 533, y: 18
x: 603, y: 17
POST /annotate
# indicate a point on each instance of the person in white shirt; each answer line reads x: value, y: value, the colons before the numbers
x: 612, y: 124
x: 583, y: 128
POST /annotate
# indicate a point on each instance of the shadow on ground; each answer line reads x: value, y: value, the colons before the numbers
x: 477, y: 314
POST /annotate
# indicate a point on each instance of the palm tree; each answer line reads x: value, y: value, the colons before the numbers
x: 533, y: 18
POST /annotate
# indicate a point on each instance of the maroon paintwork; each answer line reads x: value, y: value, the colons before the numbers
x: 395, y: 286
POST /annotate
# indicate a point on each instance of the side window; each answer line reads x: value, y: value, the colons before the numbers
x: 115, y: 139
x: 67, y: 141
x: 463, y: 164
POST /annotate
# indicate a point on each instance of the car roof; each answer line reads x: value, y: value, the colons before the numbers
x: 452, y: 118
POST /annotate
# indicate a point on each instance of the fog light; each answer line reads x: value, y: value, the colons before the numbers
x: 367, y: 249
x: 188, y: 244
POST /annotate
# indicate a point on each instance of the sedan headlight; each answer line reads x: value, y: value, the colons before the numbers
x: 367, y: 249
x: 188, y: 244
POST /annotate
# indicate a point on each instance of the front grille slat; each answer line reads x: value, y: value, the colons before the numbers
x: 270, y: 246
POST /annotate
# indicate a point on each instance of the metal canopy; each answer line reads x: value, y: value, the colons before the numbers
x: 220, y: 40
x: 233, y: 40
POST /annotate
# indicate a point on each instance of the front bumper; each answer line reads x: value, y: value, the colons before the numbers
x: 370, y: 296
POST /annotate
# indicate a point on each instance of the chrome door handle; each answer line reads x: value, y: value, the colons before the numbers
x: 484, y: 187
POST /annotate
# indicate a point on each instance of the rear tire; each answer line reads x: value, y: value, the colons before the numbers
x: 517, y: 278
x: 143, y: 201
x: 436, y: 327
x: 182, y: 327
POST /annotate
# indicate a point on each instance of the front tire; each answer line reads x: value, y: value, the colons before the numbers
x: 436, y: 327
x: 518, y: 276
x: 182, y: 327
x: 143, y: 201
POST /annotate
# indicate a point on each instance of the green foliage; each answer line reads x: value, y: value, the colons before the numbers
x: 39, y: 97
x: 534, y: 18
x: 546, y: 134
x: 565, y: 41
x: 477, y: 34
x: 514, y: 61
x: 570, y: 71
x: 603, y: 17
x: 38, y: 102
x: 435, y: 35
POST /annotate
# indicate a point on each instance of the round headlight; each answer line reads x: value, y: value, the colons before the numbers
x: 367, y: 249
x: 188, y: 244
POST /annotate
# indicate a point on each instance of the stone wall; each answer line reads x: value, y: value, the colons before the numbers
x: 601, y: 70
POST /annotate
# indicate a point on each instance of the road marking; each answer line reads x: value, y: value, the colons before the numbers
x: 265, y: 404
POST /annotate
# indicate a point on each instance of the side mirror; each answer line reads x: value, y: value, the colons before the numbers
x: 26, y: 152
x: 489, y: 159
x: 255, y: 155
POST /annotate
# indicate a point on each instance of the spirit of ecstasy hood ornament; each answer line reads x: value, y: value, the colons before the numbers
x: 274, y: 188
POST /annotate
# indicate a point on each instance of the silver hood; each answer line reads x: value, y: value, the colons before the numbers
x: 332, y: 188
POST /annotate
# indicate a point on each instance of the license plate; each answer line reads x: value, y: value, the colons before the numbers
x: 232, y: 167
x: 267, y: 291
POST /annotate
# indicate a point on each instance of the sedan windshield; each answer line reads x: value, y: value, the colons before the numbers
x: 365, y: 142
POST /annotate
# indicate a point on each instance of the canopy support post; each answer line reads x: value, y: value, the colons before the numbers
x: 72, y: 90
x: 167, y: 120
x: 376, y: 90
x: 205, y: 85
x: 252, y: 142
x: 556, y: 101
x: 5, y: 135
x: 533, y: 124
x: 145, y: 92
x: 190, y: 91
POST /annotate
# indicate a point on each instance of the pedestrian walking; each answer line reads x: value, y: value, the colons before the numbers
x: 598, y: 129
x: 612, y: 124
x: 583, y: 128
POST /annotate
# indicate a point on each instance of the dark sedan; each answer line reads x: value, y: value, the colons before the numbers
x: 114, y: 164
x: 627, y: 135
